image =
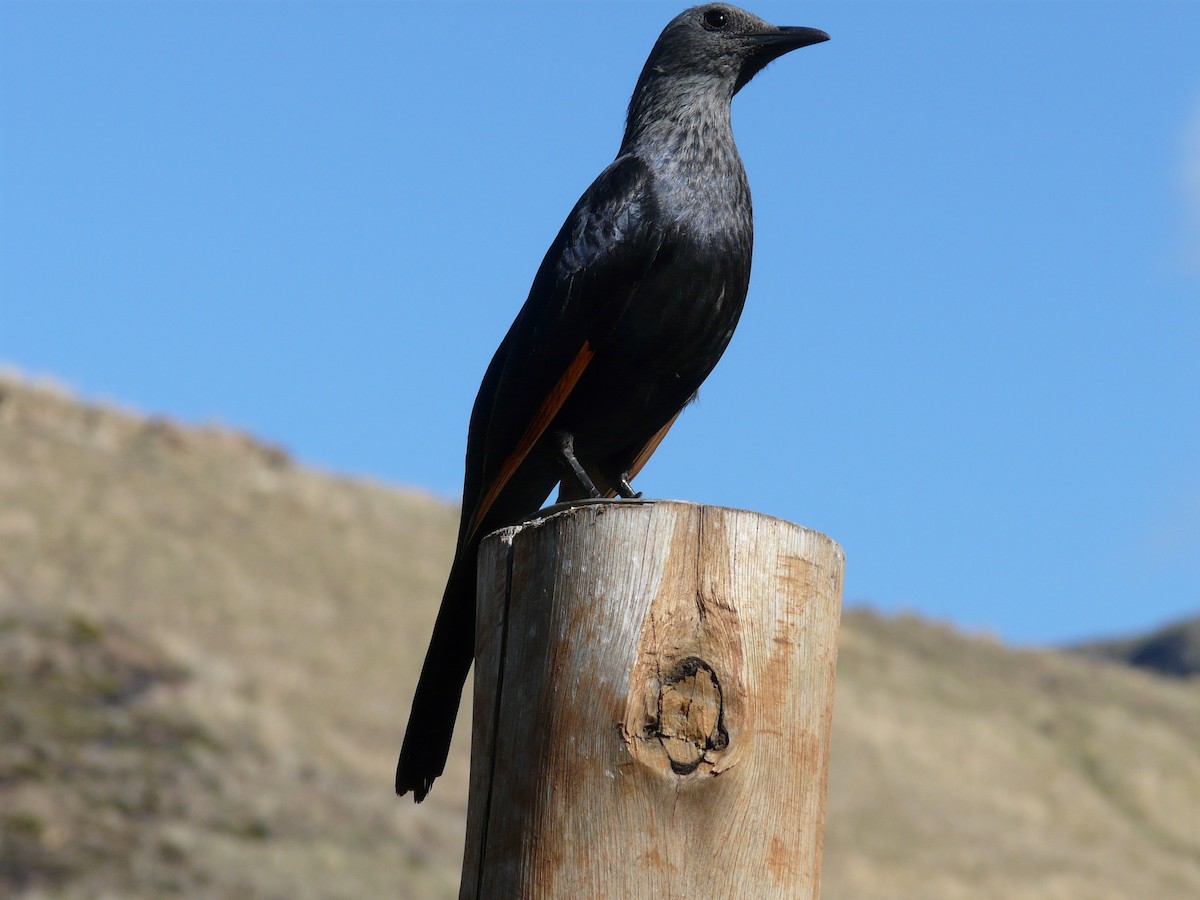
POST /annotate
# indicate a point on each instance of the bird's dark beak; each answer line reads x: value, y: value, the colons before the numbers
x: 769, y: 45
x: 785, y: 38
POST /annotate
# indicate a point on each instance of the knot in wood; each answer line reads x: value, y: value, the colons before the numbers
x: 691, y: 715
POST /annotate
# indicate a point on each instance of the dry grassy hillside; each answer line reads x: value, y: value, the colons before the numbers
x: 206, y: 654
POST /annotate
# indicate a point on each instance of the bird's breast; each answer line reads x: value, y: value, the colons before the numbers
x: 692, y: 296
x: 708, y: 205
x: 682, y: 313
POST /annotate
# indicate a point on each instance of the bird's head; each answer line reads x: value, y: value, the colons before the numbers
x: 720, y: 42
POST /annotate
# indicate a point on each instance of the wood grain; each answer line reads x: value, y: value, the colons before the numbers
x: 653, y: 701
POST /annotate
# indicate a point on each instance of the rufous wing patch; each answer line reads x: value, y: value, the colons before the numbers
x: 533, y: 433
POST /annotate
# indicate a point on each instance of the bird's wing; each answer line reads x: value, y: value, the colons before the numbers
x: 603, y: 250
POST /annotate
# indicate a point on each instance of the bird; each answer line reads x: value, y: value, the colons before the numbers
x: 631, y: 308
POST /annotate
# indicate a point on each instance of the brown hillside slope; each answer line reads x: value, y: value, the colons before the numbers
x: 206, y: 654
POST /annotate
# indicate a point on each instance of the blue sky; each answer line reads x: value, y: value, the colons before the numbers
x: 971, y: 351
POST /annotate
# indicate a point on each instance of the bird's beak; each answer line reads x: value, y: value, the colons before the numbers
x: 779, y: 41
x: 769, y: 45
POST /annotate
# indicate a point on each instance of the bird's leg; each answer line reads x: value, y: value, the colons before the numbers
x: 624, y: 489
x: 566, y: 447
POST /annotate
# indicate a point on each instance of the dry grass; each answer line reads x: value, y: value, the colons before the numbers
x: 962, y: 768
x: 297, y: 603
x: 206, y: 655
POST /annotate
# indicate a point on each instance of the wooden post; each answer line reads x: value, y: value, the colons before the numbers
x: 653, y: 700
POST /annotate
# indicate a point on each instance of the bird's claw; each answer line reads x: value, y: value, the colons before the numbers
x: 625, y: 490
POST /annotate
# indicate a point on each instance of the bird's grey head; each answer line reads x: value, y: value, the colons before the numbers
x: 722, y: 44
x: 707, y: 54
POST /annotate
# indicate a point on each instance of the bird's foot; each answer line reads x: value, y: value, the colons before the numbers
x: 625, y: 490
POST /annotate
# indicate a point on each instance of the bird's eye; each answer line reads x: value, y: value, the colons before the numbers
x: 715, y: 19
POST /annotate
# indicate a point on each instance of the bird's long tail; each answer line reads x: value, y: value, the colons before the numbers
x: 439, y: 690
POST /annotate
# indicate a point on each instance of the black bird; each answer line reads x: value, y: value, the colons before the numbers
x: 632, y: 307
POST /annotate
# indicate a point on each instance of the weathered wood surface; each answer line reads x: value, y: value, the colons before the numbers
x: 653, y: 701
